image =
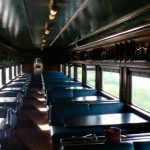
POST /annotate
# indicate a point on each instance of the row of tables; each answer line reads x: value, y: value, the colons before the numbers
x: 102, y: 120
x: 11, y: 100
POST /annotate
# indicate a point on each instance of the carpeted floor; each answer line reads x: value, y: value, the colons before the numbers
x: 33, y: 131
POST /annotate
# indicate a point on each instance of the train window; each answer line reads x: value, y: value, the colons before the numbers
x: 12, y: 72
x: 61, y: 70
x: 90, y: 72
x: 16, y: 70
x: 110, y: 82
x: 21, y: 71
x: 79, y: 73
x: 72, y: 71
x: 140, y: 92
x: 7, y: 75
x: 66, y: 69
x: 1, y: 78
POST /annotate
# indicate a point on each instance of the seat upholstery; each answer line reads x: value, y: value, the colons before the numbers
x: 106, y: 108
x: 142, y: 145
x: 60, y: 110
x: 84, y: 92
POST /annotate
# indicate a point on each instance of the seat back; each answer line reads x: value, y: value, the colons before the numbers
x: 60, y: 110
x: 106, y: 108
x: 142, y: 145
x: 84, y: 92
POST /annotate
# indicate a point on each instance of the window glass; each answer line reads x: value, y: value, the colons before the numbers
x: 90, y: 72
x: 72, y: 71
x: 66, y: 70
x: 21, y: 71
x: 7, y: 75
x: 16, y: 70
x: 140, y: 92
x: 79, y: 73
x: 60, y: 67
x: 110, y: 82
x: 1, y: 78
x: 13, y: 72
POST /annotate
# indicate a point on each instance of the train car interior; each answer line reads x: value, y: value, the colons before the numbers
x: 74, y: 74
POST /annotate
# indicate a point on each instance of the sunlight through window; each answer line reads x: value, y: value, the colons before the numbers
x: 43, y: 109
x: 140, y: 92
x: 41, y: 99
x: 44, y: 127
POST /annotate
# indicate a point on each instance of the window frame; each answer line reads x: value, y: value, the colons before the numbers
x: 93, y: 69
x: 78, y: 66
x: 112, y: 70
x: 138, y: 73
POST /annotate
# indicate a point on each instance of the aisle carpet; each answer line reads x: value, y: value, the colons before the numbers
x: 33, y: 131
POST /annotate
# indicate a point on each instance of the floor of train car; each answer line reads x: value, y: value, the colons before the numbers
x: 33, y: 131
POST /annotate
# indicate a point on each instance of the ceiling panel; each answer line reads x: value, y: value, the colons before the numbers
x: 22, y: 22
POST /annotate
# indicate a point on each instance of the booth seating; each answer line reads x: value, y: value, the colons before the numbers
x: 128, y: 145
x: 19, y: 85
x: 22, y: 86
x: 54, y: 79
x: 19, y: 81
x: 61, y: 110
x: 11, y: 94
x: 8, y: 121
x: 17, y: 89
x: 11, y: 100
x: 54, y: 93
x: 52, y: 74
x: 61, y: 83
x: 72, y: 83
x: 27, y: 85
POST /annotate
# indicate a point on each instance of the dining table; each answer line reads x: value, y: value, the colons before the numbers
x: 8, y: 99
x: 105, y: 120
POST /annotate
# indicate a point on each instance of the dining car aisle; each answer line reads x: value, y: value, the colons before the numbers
x: 33, y: 130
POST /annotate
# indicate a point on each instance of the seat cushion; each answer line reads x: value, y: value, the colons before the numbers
x: 142, y: 145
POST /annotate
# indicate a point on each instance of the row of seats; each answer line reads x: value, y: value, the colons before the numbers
x: 59, y: 99
x: 54, y: 94
x: 63, y: 110
x: 11, y: 101
x: 60, y: 90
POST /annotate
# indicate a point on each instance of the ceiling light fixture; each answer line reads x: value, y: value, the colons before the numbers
x: 53, y: 9
x: 52, y: 17
x: 44, y: 40
x: 42, y: 44
x: 53, y: 12
x: 47, y: 31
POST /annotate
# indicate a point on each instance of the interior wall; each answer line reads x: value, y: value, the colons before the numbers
x: 28, y: 64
